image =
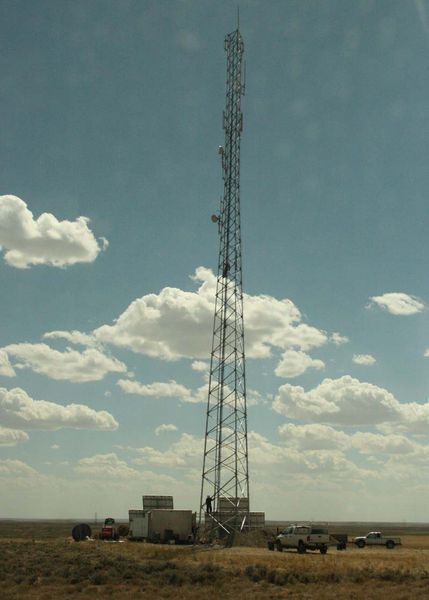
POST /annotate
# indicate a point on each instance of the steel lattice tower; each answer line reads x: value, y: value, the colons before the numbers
x: 225, y: 476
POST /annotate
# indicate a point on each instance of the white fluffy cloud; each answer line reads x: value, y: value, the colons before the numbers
x: 71, y: 365
x: 313, y: 456
x: 176, y: 323
x: 160, y: 389
x: 291, y: 460
x: 200, y: 365
x: 414, y: 463
x: 374, y: 443
x: 6, y: 368
x: 15, y: 468
x: 105, y: 466
x: 186, y: 452
x: 295, y: 362
x: 263, y: 455
x: 338, y: 339
x: 74, y: 337
x: 399, y: 303
x: 11, y: 437
x: 349, y: 401
x: 18, y: 409
x: 165, y: 427
x: 315, y: 436
x: 45, y: 240
x: 364, y: 359
x: 320, y: 458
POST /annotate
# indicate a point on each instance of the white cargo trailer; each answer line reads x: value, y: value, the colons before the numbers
x: 139, y: 524
x: 162, y: 525
x: 171, y: 525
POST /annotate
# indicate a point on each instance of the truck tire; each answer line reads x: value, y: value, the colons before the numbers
x: 323, y: 549
x: 279, y: 546
x: 390, y: 544
x: 360, y: 544
x: 301, y: 547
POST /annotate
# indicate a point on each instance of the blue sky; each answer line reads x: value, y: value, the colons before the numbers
x: 111, y: 111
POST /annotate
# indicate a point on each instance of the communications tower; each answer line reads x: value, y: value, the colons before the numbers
x: 225, y: 477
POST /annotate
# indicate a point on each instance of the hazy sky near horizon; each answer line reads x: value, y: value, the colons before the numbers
x: 111, y: 120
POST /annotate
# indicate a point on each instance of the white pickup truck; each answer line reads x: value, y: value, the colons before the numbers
x: 375, y: 538
x: 303, y: 538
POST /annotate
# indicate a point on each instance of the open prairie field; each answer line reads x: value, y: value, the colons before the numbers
x: 40, y: 560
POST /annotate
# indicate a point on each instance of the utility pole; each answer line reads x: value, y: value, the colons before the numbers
x: 225, y: 476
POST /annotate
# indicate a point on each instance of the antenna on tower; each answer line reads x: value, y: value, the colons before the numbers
x: 224, y: 501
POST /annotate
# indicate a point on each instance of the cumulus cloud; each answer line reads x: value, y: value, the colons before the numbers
x: 266, y: 455
x: 18, y: 409
x: 253, y: 397
x: 315, y: 436
x: 364, y: 359
x: 11, y: 437
x: 373, y: 443
x: 160, y: 389
x: 186, y: 452
x: 338, y: 339
x: 74, y: 337
x: 6, y: 368
x: 167, y: 458
x: 263, y: 455
x: 171, y: 389
x: 106, y: 466
x: 309, y: 452
x: 16, y: 468
x: 295, y: 362
x: 176, y: 323
x: 399, y: 303
x: 165, y: 427
x: 349, y: 401
x: 71, y: 365
x: 200, y: 365
x: 418, y: 458
x: 45, y: 240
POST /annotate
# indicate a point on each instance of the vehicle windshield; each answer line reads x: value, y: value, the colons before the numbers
x: 287, y: 530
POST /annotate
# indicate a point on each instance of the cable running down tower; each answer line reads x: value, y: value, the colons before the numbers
x: 225, y: 478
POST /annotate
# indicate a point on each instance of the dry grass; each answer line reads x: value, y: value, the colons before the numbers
x: 54, y: 567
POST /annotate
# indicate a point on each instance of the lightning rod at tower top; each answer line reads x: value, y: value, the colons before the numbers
x: 224, y: 500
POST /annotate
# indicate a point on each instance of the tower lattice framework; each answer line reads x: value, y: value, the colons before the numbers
x: 225, y: 477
